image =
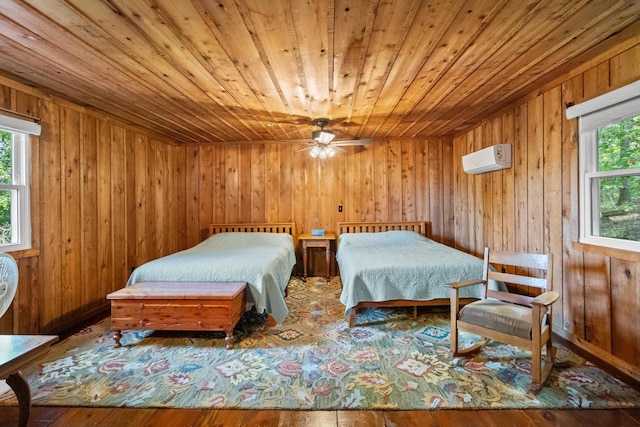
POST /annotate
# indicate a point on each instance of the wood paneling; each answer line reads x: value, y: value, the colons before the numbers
x: 386, y: 181
x: 255, y: 70
x: 102, y: 202
x: 537, y: 210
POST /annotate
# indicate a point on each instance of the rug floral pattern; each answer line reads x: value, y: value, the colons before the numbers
x: 312, y: 361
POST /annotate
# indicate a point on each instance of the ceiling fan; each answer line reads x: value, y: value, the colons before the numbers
x: 323, y: 145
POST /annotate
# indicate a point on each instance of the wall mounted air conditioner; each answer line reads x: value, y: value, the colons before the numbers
x: 488, y: 159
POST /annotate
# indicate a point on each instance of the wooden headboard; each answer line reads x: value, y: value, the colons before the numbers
x: 377, y: 227
x: 280, y: 227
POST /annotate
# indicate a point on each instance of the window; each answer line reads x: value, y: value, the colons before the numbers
x: 610, y: 170
x: 15, y: 215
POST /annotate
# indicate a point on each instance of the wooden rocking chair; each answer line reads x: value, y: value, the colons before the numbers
x: 509, y: 317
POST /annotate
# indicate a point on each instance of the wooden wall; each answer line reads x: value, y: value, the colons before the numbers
x: 387, y: 180
x: 105, y: 198
x: 534, y: 207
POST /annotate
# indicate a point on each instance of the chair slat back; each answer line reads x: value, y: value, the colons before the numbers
x: 521, y: 261
x: 518, y: 279
x: 517, y: 259
x: 510, y: 297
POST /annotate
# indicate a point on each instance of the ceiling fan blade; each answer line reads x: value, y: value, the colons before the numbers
x: 304, y: 149
x: 351, y: 142
x: 297, y: 141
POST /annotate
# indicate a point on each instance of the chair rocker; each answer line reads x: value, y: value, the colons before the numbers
x: 509, y: 317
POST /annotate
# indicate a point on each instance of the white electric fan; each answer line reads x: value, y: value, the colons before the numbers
x: 8, y: 281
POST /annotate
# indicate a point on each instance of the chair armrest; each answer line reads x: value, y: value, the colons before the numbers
x: 463, y: 283
x: 546, y: 299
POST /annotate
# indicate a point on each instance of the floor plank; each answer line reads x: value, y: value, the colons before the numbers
x: 408, y: 418
x: 215, y: 417
x: 582, y: 417
x: 516, y: 418
x: 360, y: 418
x: 266, y: 418
x: 313, y: 418
x: 83, y: 416
x: 633, y: 413
x: 162, y: 418
x: 126, y: 417
x: 453, y: 418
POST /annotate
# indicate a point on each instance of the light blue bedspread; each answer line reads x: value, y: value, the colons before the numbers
x: 401, y: 265
x: 263, y: 260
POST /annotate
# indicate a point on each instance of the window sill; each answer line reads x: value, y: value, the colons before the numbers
x: 605, y: 251
x: 25, y: 253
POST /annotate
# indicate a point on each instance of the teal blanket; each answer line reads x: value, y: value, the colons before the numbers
x: 263, y: 260
x: 401, y: 265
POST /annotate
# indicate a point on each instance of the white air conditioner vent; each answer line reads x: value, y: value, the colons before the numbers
x: 488, y: 159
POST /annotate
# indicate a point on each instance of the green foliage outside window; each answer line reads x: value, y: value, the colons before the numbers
x: 5, y: 178
x: 619, y: 149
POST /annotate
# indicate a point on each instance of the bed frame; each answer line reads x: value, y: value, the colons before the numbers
x: 377, y: 227
x: 258, y: 227
x: 280, y: 227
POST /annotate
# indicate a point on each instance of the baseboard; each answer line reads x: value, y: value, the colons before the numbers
x: 606, y: 361
x: 80, y: 322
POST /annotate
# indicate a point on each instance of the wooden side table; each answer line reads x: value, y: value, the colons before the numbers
x: 16, y: 351
x: 309, y: 241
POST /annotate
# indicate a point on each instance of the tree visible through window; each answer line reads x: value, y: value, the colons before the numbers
x: 5, y: 195
x: 15, y: 227
x: 619, y: 151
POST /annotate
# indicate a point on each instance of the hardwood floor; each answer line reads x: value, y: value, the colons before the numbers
x: 107, y: 417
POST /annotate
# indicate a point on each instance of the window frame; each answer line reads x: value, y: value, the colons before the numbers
x: 21, y: 132
x: 610, y: 108
x: 21, y: 184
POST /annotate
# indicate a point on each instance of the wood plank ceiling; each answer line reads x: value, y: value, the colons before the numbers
x: 249, y: 70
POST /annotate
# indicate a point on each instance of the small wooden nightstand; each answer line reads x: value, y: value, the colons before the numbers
x: 309, y: 241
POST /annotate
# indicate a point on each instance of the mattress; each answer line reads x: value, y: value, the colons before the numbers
x: 402, y: 265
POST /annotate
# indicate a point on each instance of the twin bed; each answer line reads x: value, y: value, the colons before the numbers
x: 263, y: 255
x: 381, y: 265
x: 395, y: 264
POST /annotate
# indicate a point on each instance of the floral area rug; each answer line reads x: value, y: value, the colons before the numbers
x: 312, y: 361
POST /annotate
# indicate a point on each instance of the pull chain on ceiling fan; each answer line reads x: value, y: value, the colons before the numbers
x: 323, y: 145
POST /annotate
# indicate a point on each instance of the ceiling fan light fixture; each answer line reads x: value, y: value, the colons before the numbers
x: 322, y: 151
x: 327, y: 152
x: 314, y: 152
